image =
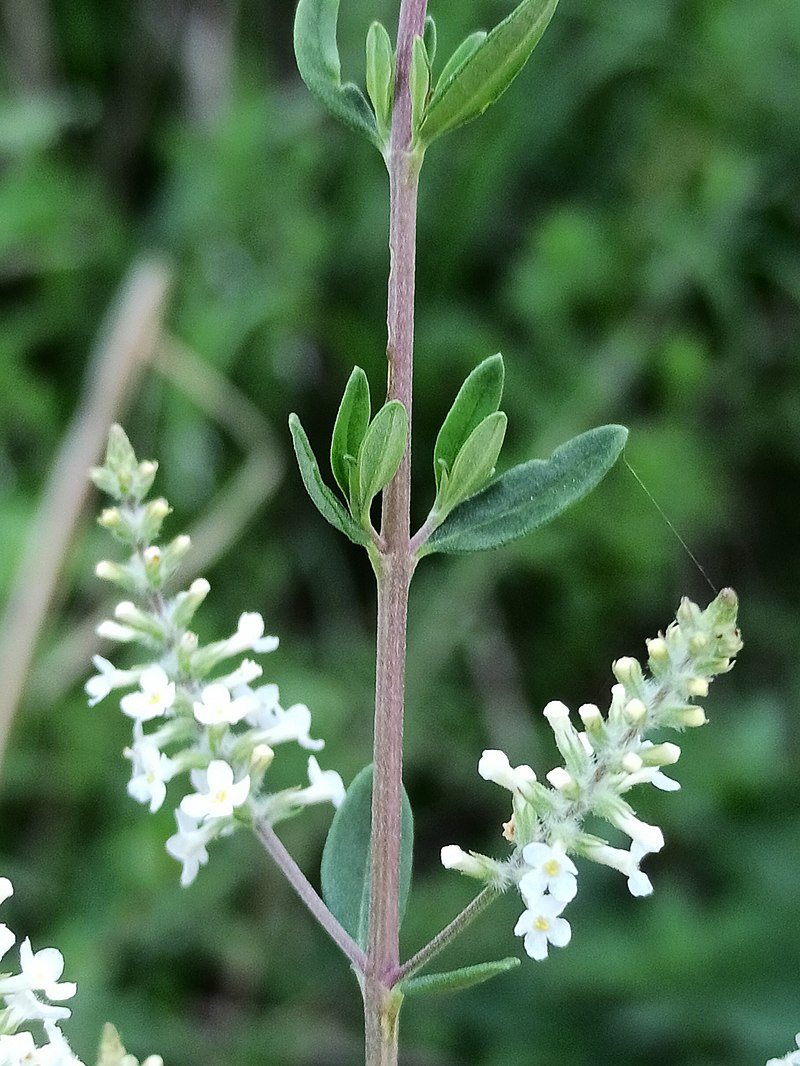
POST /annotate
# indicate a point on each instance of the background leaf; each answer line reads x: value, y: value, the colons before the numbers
x: 345, y: 859
x: 529, y: 495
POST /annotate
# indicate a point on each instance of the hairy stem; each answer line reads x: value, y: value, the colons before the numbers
x: 308, y: 894
x: 394, y: 575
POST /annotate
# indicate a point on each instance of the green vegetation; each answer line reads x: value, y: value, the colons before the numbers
x: 626, y: 231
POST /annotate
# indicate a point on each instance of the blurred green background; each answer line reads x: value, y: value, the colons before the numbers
x: 623, y: 225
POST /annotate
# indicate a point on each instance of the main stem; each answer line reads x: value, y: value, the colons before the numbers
x: 394, y: 576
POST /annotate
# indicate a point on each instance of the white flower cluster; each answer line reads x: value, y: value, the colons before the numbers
x: 790, y: 1059
x: 602, y: 763
x: 26, y: 995
x: 221, y: 729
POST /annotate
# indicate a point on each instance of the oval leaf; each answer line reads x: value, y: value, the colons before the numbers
x: 529, y: 495
x: 344, y: 871
x: 322, y: 497
x: 462, y: 53
x: 380, y: 75
x: 318, y: 62
x: 454, y: 980
x: 350, y: 426
x: 381, y: 451
x: 478, y: 397
x: 475, y: 462
x: 486, y: 73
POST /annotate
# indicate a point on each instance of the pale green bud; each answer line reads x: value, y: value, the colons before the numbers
x: 118, y: 574
x: 589, y: 714
x: 697, y: 686
x: 186, y: 603
x: 660, y: 754
x: 152, y: 519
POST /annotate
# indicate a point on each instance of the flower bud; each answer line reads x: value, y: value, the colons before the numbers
x: 666, y: 754
x: 635, y: 711
x: 697, y: 686
x: 628, y: 672
x: 494, y: 766
x: 261, y: 758
x: 561, y: 779
x: 631, y: 762
x: 589, y: 714
x: 469, y: 863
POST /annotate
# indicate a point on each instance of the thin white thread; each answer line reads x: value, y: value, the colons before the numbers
x: 671, y: 527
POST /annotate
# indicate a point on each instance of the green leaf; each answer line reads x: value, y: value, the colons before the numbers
x: 461, y: 54
x: 380, y: 75
x: 322, y: 497
x: 350, y: 426
x: 475, y: 461
x: 344, y: 871
x: 478, y: 397
x: 317, y: 56
x: 419, y: 81
x: 380, y: 452
x: 454, y: 980
x: 529, y: 495
x: 485, y: 74
x: 430, y: 37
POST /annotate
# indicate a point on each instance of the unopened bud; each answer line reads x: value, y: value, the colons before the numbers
x: 631, y: 762
x: 560, y: 778
x: 697, y: 686
x: 691, y: 717
x: 657, y: 649
x: 261, y: 758
x: 635, y: 711
x: 666, y: 754
x: 589, y: 714
x: 111, y: 518
x: 455, y: 858
x: 628, y: 672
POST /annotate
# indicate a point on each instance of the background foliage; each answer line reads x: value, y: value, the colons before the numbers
x: 625, y: 228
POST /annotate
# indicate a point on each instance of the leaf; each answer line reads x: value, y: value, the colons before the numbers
x: 322, y: 497
x: 430, y: 37
x: 529, y: 495
x: 350, y: 426
x: 344, y: 870
x: 454, y: 980
x: 485, y: 74
x: 380, y: 75
x: 317, y: 56
x: 462, y: 53
x: 419, y: 81
x: 478, y: 397
x: 381, y: 451
x: 475, y: 461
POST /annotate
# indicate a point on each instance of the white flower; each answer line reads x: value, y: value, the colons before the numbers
x: 7, y: 939
x: 791, y: 1059
x: 455, y: 858
x: 157, y: 695
x: 188, y: 846
x: 218, y: 708
x: 542, y: 926
x: 26, y: 1007
x: 40, y: 973
x: 6, y: 889
x: 294, y: 723
x: 326, y: 786
x: 249, y: 635
x: 648, y: 837
x: 248, y: 670
x: 627, y: 862
x: 551, y: 870
x: 221, y: 796
x: 151, y: 770
x: 494, y: 766
x: 107, y: 678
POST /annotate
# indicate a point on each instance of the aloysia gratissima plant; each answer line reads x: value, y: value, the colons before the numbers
x: 206, y: 728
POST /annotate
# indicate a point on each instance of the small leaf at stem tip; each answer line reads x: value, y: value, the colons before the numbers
x: 529, y: 495
x: 475, y: 461
x: 350, y: 426
x: 380, y: 76
x: 419, y: 81
x: 345, y: 867
x: 380, y: 453
x: 317, y: 55
x: 477, y: 398
x: 487, y: 71
x: 429, y: 35
x: 454, y: 980
x: 322, y: 497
